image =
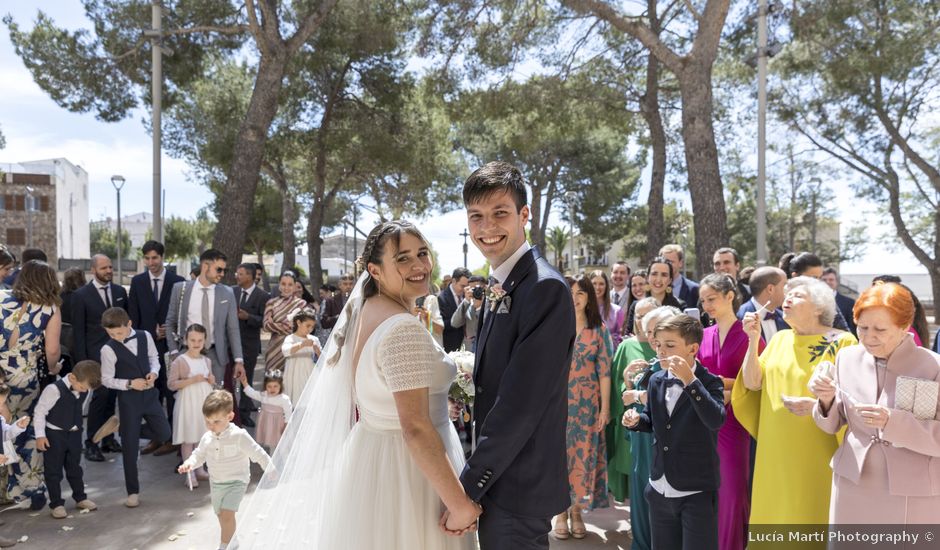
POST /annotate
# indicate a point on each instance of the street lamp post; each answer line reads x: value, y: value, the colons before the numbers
x: 29, y: 216
x: 465, y: 234
x: 118, y: 183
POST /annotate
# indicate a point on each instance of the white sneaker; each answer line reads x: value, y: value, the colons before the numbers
x: 133, y: 501
x: 86, y: 505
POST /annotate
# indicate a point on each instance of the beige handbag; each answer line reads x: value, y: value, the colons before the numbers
x: 917, y: 396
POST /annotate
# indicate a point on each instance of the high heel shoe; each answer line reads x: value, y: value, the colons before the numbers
x: 560, y: 530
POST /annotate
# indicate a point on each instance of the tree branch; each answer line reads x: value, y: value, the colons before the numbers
x: 637, y: 30
x: 255, y: 27
x: 309, y: 25
x: 691, y: 8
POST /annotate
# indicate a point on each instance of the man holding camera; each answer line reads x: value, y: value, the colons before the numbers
x: 467, y: 314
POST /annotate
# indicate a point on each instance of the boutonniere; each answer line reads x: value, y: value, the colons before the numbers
x: 494, y: 294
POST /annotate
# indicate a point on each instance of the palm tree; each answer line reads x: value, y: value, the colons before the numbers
x: 558, y: 240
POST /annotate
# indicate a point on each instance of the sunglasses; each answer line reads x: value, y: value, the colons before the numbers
x: 220, y: 270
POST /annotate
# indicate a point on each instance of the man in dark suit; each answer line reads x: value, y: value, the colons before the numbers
x: 147, y: 306
x: 767, y: 285
x: 725, y: 260
x: 682, y: 288
x: 88, y: 303
x: 684, y: 411
x: 251, y: 300
x: 845, y: 304
x: 334, y: 305
x: 518, y: 471
x: 450, y: 297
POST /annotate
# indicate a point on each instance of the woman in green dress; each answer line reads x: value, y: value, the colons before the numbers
x: 619, y: 463
x: 640, y: 360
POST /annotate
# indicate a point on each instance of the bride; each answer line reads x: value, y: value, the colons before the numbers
x: 384, y: 480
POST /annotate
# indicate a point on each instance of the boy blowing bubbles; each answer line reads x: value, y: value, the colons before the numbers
x: 685, y: 409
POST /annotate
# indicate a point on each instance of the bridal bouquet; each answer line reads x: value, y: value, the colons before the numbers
x: 462, y: 389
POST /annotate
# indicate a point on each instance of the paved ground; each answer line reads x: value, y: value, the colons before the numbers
x: 169, y: 510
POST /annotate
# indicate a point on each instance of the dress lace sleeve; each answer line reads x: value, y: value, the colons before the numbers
x: 406, y: 356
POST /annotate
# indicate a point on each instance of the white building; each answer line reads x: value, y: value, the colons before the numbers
x: 70, y: 204
x: 136, y: 225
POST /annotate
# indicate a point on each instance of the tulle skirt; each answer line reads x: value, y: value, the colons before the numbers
x: 377, y: 499
x: 384, y: 501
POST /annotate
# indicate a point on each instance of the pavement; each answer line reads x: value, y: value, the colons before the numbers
x: 170, y: 517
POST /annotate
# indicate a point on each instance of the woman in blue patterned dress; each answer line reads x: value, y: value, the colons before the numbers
x: 28, y: 312
x: 588, y: 412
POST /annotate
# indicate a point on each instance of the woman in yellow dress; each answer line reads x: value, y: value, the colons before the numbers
x: 771, y: 400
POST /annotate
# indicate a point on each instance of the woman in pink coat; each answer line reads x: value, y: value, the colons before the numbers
x: 887, y: 470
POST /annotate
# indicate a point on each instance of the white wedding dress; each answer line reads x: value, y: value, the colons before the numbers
x: 372, y: 496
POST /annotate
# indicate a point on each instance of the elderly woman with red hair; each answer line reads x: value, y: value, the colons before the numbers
x: 887, y: 470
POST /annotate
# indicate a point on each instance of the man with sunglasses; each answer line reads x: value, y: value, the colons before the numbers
x: 212, y: 305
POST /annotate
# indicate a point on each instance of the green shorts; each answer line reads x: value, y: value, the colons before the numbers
x: 227, y: 495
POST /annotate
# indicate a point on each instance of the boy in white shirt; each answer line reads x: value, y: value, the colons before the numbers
x: 227, y: 449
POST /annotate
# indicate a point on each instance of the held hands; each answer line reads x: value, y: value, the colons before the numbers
x: 23, y: 422
x: 42, y: 443
x: 243, y: 379
x: 800, y: 406
x: 184, y: 468
x: 875, y: 416
x: 630, y: 419
x: 462, y: 520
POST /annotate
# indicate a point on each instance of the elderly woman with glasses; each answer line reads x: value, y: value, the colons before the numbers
x: 771, y: 400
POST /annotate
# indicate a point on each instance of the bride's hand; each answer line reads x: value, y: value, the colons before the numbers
x: 461, y: 520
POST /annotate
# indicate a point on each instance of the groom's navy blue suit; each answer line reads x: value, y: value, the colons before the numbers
x: 519, y: 471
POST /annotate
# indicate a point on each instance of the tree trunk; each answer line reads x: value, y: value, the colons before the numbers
x: 701, y: 157
x: 649, y: 108
x: 288, y: 238
x: 537, y: 233
x: 314, y: 244
x: 238, y: 194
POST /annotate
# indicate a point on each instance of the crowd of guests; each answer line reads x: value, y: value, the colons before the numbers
x: 157, y: 350
x: 685, y: 398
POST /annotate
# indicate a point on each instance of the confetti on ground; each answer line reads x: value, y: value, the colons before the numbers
x: 172, y: 538
x: 24, y: 538
x: 188, y: 514
x: 85, y: 511
x: 67, y: 528
x: 34, y: 515
x: 111, y: 460
x: 70, y: 516
x: 181, y: 533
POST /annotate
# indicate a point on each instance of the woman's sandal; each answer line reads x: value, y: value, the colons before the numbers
x: 578, y: 529
x: 560, y: 530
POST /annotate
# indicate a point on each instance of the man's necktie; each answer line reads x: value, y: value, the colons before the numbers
x: 244, y: 299
x: 673, y: 381
x: 617, y: 298
x: 156, y: 291
x: 107, y: 297
x: 206, y: 321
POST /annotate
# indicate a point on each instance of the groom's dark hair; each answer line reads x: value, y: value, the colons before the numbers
x: 494, y: 177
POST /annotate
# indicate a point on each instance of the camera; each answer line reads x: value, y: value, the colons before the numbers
x: 478, y: 293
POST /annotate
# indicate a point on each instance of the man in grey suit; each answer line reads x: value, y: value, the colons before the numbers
x: 208, y: 303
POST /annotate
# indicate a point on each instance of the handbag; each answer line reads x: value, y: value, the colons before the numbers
x: 917, y: 396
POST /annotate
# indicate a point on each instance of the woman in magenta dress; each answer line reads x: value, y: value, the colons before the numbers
x: 724, y: 345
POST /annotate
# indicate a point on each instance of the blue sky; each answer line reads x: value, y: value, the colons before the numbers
x: 36, y: 128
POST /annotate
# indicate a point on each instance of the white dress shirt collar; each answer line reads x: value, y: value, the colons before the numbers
x: 502, y: 272
x: 161, y: 276
x: 199, y: 285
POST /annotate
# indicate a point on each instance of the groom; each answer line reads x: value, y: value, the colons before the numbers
x: 518, y: 472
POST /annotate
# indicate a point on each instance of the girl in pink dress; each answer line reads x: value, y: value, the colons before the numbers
x: 275, y: 409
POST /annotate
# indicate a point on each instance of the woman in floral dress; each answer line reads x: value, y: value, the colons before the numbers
x: 588, y: 412
x: 28, y: 312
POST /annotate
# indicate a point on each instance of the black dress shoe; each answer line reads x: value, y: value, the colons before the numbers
x: 93, y: 454
x: 37, y: 502
x: 111, y: 447
x: 247, y: 421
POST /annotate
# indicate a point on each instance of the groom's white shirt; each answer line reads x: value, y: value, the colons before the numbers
x: 502, y: 272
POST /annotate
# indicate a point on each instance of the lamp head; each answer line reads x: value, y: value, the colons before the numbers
x: 117, y: 181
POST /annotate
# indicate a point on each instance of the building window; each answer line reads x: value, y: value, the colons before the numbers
x: 16, y: 237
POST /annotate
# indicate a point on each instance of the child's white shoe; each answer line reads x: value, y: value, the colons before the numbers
x: 133, y: 501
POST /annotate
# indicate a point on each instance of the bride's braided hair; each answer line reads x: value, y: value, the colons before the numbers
x: 371, y: 254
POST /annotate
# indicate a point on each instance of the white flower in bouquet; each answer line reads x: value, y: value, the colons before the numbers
x: 462, y: 390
